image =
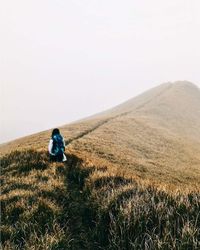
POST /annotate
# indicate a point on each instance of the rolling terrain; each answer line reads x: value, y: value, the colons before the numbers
x: 131, y: 180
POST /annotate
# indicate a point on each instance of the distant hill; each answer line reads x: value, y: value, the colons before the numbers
x: 155, y: 136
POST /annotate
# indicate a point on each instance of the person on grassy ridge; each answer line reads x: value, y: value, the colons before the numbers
x: 57, y: 146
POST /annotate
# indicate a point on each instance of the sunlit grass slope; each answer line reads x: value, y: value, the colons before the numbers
x: 156, y: 135
x: 32, y: 202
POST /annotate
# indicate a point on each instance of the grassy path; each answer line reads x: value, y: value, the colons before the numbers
x: 78, y: 206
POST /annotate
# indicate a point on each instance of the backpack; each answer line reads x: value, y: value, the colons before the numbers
x: 58, y: 145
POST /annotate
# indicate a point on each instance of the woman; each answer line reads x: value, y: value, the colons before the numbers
x: 57, y: 146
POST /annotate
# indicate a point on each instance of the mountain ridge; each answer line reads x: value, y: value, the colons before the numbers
x: 155, y: 135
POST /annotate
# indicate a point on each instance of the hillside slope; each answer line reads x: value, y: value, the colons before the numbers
x: 154, y: 136
x: 131, y: 180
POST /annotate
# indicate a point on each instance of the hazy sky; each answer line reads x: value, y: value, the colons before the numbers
x: 61, y: 60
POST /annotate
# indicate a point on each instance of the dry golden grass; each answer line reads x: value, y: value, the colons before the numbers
x: 157, y: 139
x: 80, y: 205
x: 131, y: 180
x: 156, y: 136
x: 32, y: 202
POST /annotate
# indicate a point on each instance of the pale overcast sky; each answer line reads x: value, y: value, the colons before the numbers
x: 62, y: 60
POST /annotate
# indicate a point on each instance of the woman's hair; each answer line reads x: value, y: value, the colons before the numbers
x: 55, y: 132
